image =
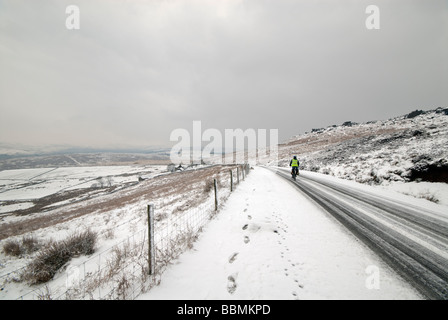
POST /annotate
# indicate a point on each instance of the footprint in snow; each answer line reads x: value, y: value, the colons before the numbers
x: 233, y: 257
x: 299, y: 284
x: 246, y: 239
x: 231, y: 283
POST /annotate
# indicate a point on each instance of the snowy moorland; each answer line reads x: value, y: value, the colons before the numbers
x: 266, y: 242
x: 106, y: 207
x: 26, y: 191
x: 407, y: 153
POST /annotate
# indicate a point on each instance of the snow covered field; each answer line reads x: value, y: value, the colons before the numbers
x: 29, y: 197
x: 270, y: 242
x: 183, y: 201
x: 32, y: 184
x: 30, y: 191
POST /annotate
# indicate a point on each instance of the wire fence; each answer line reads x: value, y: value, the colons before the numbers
x: 124, y: 270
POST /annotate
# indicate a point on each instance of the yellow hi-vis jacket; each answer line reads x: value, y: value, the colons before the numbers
x: 294, y: 163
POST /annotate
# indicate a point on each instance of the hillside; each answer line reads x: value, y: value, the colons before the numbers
x: 407, y: 148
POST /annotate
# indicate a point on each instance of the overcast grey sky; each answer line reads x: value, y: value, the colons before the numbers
x: 137, y: 70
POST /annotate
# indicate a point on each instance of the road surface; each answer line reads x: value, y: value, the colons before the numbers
x: 412, y: 240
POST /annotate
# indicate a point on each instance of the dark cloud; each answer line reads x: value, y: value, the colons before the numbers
x: 135, y: 71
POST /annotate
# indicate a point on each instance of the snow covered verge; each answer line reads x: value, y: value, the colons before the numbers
x: 270, y: 242
x: 118, y: 267
x: 408, y: 153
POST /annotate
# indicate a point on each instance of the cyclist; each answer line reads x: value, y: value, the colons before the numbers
x: 294, y: 163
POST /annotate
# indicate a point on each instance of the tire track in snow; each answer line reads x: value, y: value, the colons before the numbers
x: 385, y: 228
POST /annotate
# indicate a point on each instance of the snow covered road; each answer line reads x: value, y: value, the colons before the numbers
x: 412, y: 239
x: 271, y: 242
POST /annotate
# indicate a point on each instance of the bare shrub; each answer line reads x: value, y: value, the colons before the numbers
x: 123, y: 287
x: 160, y: 216
x: 30, y: 244
x: 46, y: 263
x: 82, y: 243
x: 109, y: 234
x: 16, y: 248
x: 188, y: 237
x: 208, y: 186
x: 118, y: 259
x: 12, y: 248
x: 430, y: 197
x: 56, y: 254
x: 424, y: 195
x: 182, y: 241
x: 115, y: 272
x: 44, y: 294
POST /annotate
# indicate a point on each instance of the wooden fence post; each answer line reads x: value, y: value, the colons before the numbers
x: 238, y: 174
x: 151, y: 251
x: 231, y: 180
x: 216, y: 194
